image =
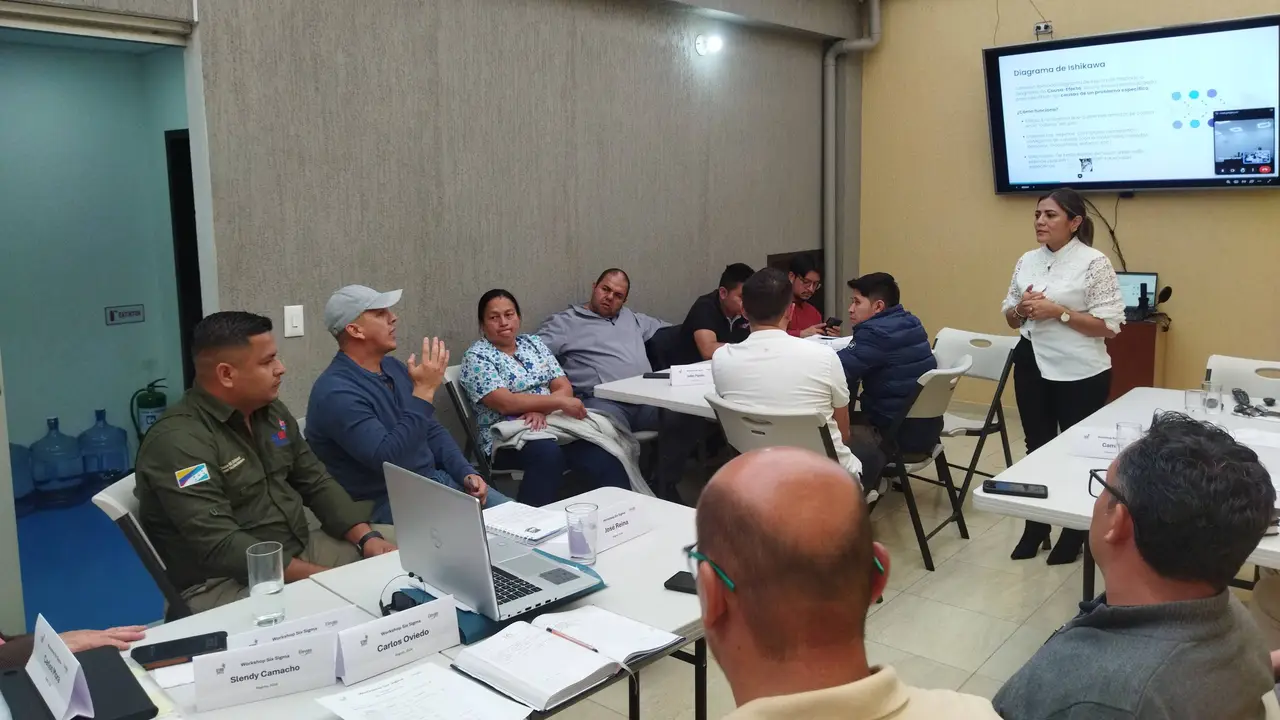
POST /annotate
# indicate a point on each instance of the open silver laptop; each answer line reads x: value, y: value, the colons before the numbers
x: 442, y: 539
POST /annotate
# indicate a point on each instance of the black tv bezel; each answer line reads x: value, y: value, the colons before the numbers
x: 995, y: 106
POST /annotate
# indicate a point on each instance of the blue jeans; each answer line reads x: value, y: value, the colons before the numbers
x: 382, y: 506
x: 544, y: 463
x: 632, y: 418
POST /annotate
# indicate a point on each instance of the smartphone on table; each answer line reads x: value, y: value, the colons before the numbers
x: 177, y: 652
x: 682, y: 582
x: 1000, y: 487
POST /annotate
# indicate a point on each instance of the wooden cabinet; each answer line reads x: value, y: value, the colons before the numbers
x: 1137, y: 358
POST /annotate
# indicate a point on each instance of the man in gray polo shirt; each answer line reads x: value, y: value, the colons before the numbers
x: 1176, y: 516
x: 603, y: 341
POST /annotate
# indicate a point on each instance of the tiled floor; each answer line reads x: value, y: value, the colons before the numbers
x: 967, y: 626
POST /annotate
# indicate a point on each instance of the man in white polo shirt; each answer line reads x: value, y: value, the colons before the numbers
x: 772, y: 370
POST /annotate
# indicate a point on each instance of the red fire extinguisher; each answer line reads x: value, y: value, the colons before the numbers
x: 146, y: 406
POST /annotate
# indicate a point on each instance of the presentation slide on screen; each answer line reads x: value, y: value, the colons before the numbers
x: 1184, y: 108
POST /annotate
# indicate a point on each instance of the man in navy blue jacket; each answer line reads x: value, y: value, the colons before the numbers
x: 889, y: 352
x: 368, y: 408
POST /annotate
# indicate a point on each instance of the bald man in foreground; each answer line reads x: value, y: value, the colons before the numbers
x: 786, y: 570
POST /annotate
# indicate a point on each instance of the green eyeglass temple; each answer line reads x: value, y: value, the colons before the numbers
x: 729, y: 583
x: 703, y: 558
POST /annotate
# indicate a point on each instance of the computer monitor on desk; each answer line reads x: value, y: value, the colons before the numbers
x: 1131, y: 286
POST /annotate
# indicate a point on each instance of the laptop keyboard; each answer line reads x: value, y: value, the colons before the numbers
x: 509, y: 587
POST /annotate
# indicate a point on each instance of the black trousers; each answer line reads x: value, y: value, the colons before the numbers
x: 1048, y: 407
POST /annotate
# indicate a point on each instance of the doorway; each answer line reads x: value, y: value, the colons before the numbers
x: 99, y: 236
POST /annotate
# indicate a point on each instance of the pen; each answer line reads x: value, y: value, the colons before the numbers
x: 575, y: 641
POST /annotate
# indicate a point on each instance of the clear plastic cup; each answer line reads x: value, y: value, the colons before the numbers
x: 266, y: 582
x: 1212, y: 397
x: 1193, y: 402
x: 584, y: 522
x: 1127, y: 433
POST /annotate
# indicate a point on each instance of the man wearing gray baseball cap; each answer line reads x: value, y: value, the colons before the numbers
x: 368, y: 408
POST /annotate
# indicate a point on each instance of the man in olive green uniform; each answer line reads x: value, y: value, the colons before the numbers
x: 226, y: 467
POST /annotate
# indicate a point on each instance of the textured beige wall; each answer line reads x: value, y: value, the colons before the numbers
x: 834, y: 18
x: 163, y: 9
x: 952, y: 242
x: 449, y: 147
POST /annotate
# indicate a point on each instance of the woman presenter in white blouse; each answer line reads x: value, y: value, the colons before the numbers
x: 1065, y: 301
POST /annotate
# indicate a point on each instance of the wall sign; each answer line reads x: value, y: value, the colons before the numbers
x: 125, y: 314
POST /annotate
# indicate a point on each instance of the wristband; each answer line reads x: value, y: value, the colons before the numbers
x: 367, y: 537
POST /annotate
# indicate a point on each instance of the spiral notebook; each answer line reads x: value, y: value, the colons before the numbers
x: 529, y: 525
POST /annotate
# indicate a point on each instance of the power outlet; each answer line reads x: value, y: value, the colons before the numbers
x: 1044, y: 28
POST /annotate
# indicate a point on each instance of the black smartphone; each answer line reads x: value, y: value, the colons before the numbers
x: 663, y: 375
x: 682, y: 582
x: 177, y: 652
x: 1000, y: 487
x: 834, y: 322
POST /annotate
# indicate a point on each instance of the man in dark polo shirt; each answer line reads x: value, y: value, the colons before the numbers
x: 715, y: 319
x: 226, y: 468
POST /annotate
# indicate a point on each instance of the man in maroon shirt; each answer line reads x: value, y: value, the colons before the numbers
x: 805, y: 281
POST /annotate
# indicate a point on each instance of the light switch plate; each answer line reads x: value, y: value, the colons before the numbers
x: 292, y: 321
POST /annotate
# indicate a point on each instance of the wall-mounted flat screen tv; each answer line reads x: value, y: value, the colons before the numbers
x: 1181, y: 107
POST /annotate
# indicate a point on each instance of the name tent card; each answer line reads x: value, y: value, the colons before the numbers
x: 1093, y: 442
x: 57, y: 675
x: 686, y: 375
x: 332, y: 621
x: 398, y: 639
x: 621, y: 522
x: 259, y: 672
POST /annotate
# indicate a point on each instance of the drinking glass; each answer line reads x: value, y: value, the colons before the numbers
x: 266, y: 582
x: 583, y: 520
x: 1212, y: 397
x: 1194, y: 402
x: 1126, y: 434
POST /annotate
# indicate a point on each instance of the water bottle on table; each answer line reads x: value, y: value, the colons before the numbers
x: 583, y: 521
x: 266, y: 582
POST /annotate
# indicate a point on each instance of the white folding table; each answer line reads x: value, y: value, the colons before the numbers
x: 1066, y: 474
x: 634, y: 572
x: 302, y: 599
x: 658, y: 392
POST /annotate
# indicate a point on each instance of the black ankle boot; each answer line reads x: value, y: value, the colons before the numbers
x: 1070, y: 544
x: 1034, y: 534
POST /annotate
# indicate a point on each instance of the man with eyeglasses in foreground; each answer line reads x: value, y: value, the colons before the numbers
x: 1176, y: 515
x: 786, y: 569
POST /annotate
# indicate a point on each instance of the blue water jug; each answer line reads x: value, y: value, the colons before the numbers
x: 105, y: 449
x: 24, y: 495
x: 56, y: 468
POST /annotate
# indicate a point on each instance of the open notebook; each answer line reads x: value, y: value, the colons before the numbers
x: 543, y: 669
x: 529, y: 525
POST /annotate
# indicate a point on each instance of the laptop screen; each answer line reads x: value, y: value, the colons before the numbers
x: 1131, y: 287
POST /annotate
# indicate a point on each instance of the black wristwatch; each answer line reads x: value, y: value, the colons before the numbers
x: 367, y: 537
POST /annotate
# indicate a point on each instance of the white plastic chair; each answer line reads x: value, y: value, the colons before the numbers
x: 1259, y: 378
x: 122, y: 508
x: 933, y: 394
x: 992, y: 360
x: 748, y: 429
